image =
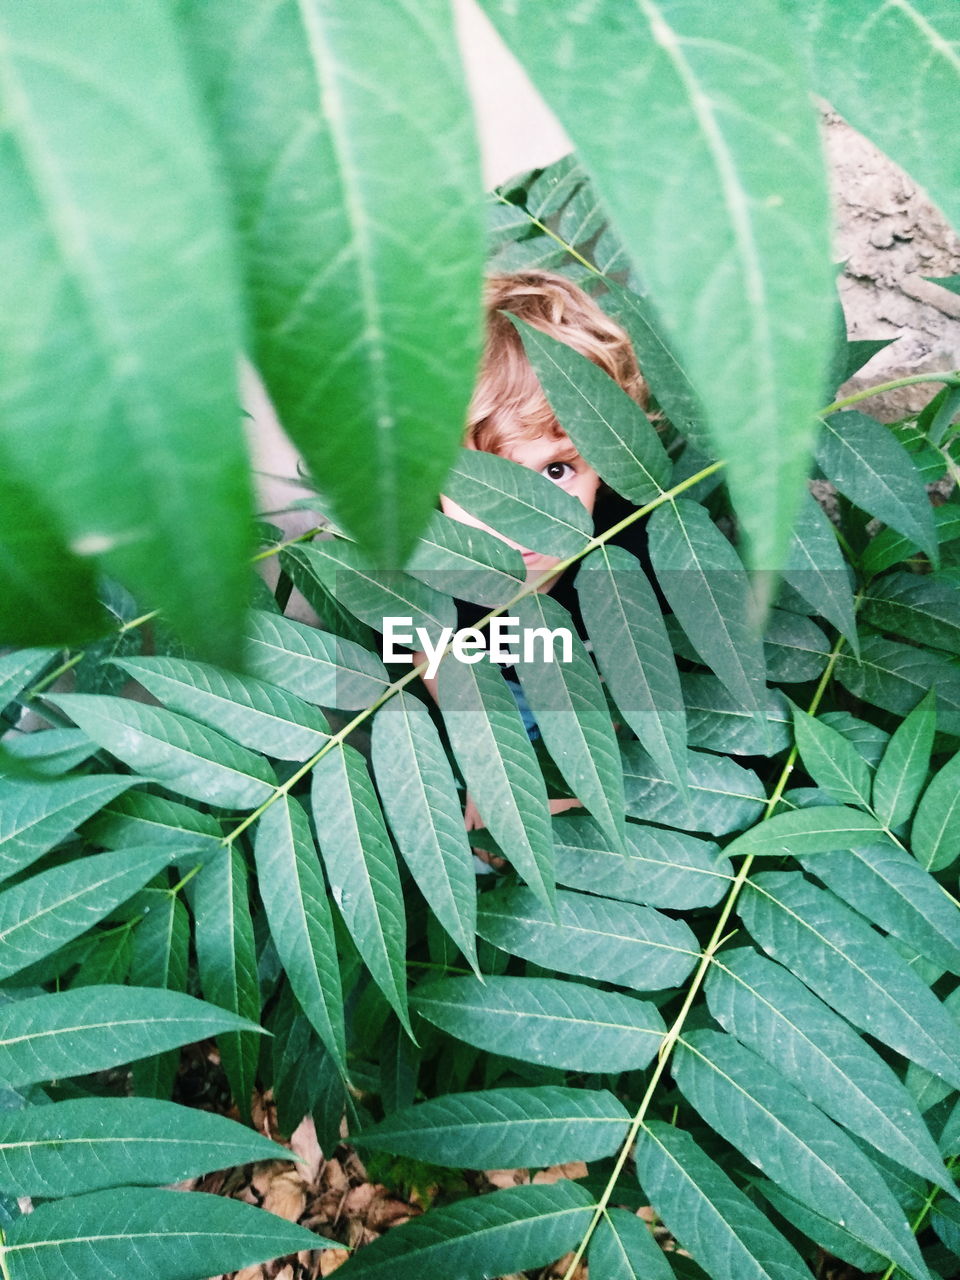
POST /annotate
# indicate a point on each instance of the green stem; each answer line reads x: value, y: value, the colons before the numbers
x: 921, y: 1216
x: 54, y: 675
x: 951, y: 379
x: 564, y: 244
x: 717, y: 939
x: 4, y: 1265
x: 291, y: 542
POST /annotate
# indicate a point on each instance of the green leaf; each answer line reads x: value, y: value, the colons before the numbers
x: 707, y: 1213
x: 521, y: 1227
x: 49, y: 753
x: 924, y: 608
x: 172, y: 1235
x: 831, y: 1238
x: 295, y: 899
x: 160, y: 958
x: 227, y: 962
x: 869, y: 739
x: 774, y: 1014
x: 856, y: 49
x: 902, y: 771
x: 420, y: 799
x: 36, y: 816
x: 891, y: 889
x: 777, y: 1129
x: 625, y: 625
x: 661, y: 868
x: 890, y: 548
x: 896, y: 676
x: 518, y: 503
x: 33, y: 558
x: 736, y: 251
x: 320, y: 667
x: 19, y: 670
x: 623, y: 1248
x: 835, y: 952
x: 719, y: 722
x: 857, y: 353
x: 107, y: 959
x: 796, y: 649
x: 141, y: 818
x: 257, y: 715
x: 571, y: 713
x: 934, y: 836
x: 723, y: 795
x: 85, y: 1144
x: 545, y: 1021
x: 663, y: 371
x: 816, y: 830
x: 817, y: 571
x: 469, y: 563
x: 832, y: 762
x: 499, y: 766
x: 365, y: 293
x: 46, y: 911
x: 616, y: 942
x: 610, y: 430
x: 370, y: 594
x: 134, y: 334
x: 705, y: 585
x: 72, y: 1033
x: 172, y: 750
x: 504, y: 1128
x: 863, y: 460
x: 362, y: 869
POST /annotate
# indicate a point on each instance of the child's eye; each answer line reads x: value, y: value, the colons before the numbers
x: 557, y: 470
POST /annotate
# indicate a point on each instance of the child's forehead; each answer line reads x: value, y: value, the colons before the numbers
x: 537, y: 451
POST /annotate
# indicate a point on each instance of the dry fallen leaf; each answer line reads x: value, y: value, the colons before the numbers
x: 286, y: 1196
x: 303, y: 1143
x: 576, y: 1169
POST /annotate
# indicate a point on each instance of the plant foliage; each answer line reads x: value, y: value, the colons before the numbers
x: 728, y: 984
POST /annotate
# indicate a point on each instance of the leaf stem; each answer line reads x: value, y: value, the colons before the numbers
x: 291, y: 542
x: 54, y: 675
x: 717, y: 939
x: 951, y: 379
x: 921, y: 1216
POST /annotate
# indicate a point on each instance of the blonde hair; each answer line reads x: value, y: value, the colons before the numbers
x: 508, y: 402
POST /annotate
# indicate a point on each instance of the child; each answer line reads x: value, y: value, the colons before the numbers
x: 510, y: 415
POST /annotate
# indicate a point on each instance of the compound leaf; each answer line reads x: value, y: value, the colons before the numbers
x: 170, y: 749
x: 419, y: 797
x: 709, y: 1215
x: 902, y: 770
x: 504, y: 1128
x: 499, y: 766
x: 174, y: 1235
x: 301, y: 926
x: 545, y: 1021
x: 625, y: 625
x: 365, y: 296
x: 480, y: 1236
x: 362, y: 869
x: 72, y: 1033
x: 84, y: 1144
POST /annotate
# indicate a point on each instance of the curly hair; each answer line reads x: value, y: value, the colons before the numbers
x: 508, y: 402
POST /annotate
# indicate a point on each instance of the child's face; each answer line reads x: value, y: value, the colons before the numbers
x: 559, y: 461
